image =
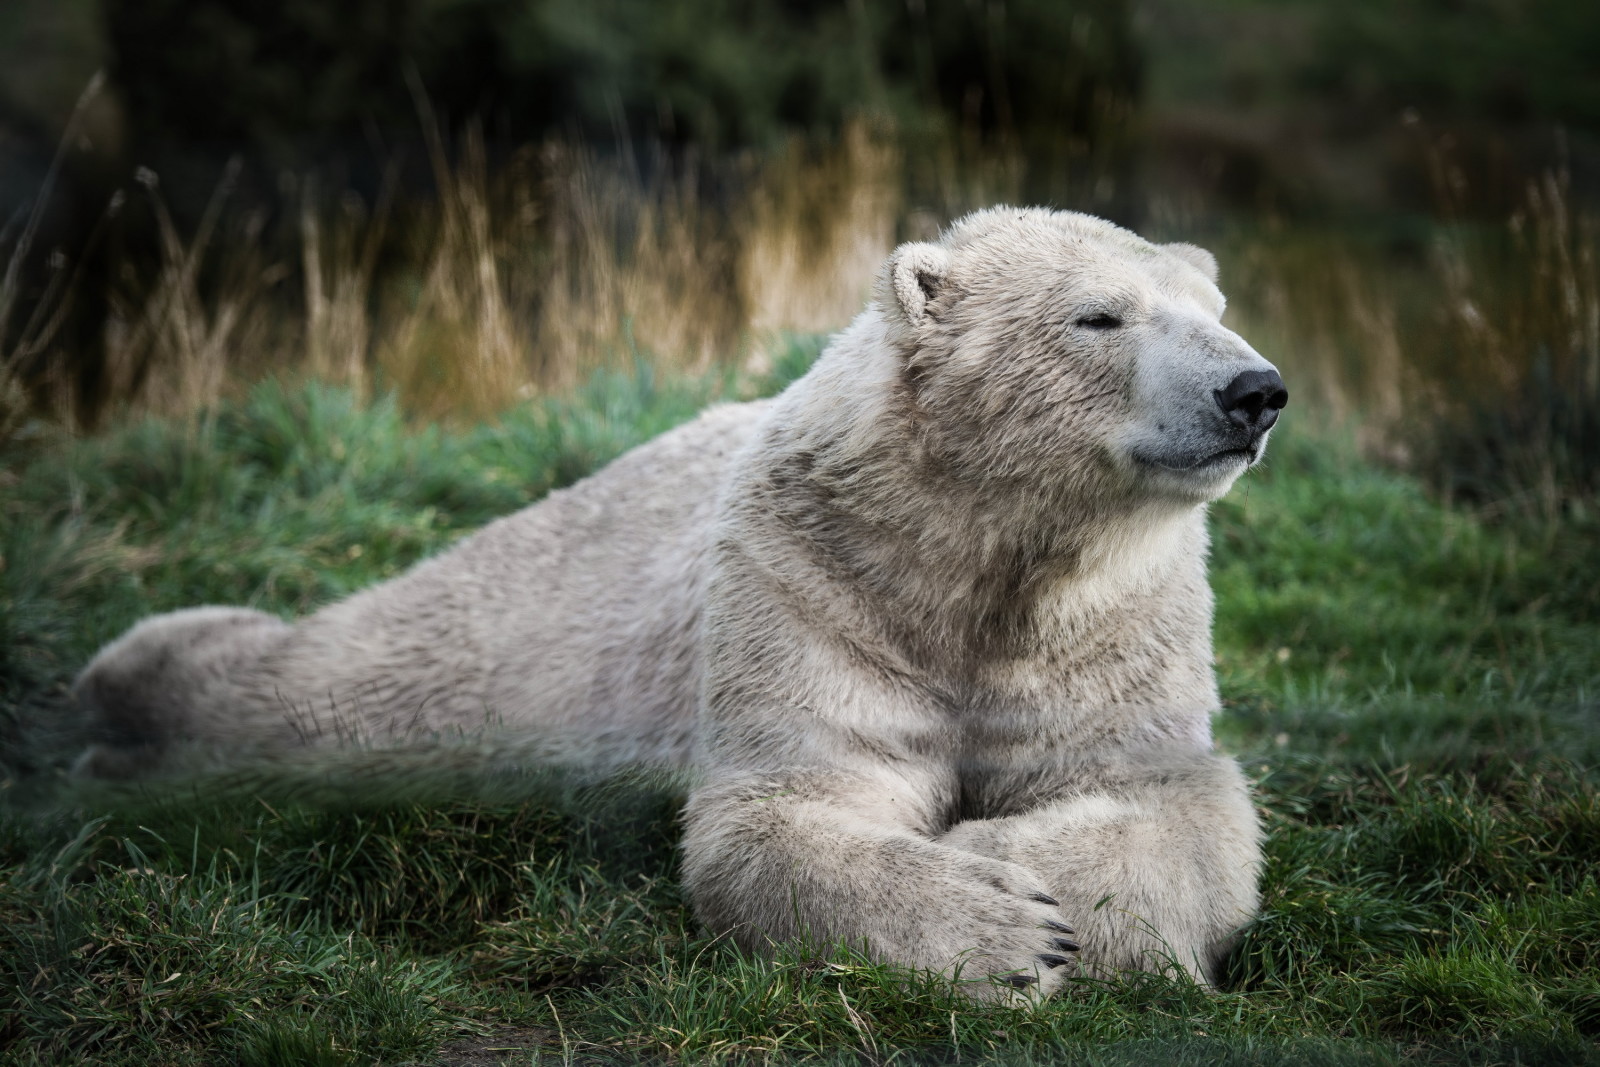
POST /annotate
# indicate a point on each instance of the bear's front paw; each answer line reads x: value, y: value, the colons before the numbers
x: 999, y: 930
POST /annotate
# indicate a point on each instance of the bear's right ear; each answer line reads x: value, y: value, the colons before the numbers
x: 1196, y: 257
x: 914, y: 274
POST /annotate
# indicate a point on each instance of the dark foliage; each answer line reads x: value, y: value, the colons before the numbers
x: 301, y: 80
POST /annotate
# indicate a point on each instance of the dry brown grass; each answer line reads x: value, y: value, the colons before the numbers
x: 503, y: 285
x: 1478, y: 360
x: 1475, y: 361
x: 172, y: 350
x: 514, y: 283
x: 24, y: 342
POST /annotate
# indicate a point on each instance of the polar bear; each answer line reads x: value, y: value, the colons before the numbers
x: 930, y: 631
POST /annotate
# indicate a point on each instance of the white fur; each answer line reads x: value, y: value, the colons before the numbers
x: 931, y: 629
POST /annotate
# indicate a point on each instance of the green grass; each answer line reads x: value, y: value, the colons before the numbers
x: 1414, y: 691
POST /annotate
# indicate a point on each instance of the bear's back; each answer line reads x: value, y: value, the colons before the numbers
x: 587, y: 605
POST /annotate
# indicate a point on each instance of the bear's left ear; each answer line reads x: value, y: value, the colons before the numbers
x: 914, y: 274
x: 1196, y: 257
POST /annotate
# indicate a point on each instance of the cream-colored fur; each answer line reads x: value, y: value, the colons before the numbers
x: 931, y: 630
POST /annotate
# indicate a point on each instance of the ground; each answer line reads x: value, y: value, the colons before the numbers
x: 1412, y: 688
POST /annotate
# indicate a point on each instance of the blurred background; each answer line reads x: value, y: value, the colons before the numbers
x: 466, y: 203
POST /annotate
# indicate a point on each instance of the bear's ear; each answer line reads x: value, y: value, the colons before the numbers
x: 915, y: 272
x: 1196, y: 257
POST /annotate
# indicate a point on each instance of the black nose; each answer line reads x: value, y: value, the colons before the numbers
x: 1253, y: 399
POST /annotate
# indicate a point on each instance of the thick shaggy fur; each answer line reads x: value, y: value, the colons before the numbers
x: 931, y: 630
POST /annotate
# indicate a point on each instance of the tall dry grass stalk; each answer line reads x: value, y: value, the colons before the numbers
x: 338, y: 262
x: 172, y: 349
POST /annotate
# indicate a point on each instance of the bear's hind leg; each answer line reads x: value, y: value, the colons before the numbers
x: 168, y: 681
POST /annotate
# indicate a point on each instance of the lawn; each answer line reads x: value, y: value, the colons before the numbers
x: 1414, y: 689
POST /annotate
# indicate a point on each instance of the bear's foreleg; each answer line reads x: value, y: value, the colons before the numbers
x: 1157, y: 871
x: 839, y: 857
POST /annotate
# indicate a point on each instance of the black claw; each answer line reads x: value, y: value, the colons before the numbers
x: 1060, y: 928
x: 1064, y: 945
x: 1051, y: 960
x: 1021, y: 981
x: 1044, y: 898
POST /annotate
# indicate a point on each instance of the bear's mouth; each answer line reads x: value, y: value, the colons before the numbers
x: 1249, y: 453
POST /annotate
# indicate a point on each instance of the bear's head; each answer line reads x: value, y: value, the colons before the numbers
x: 1061, y: 352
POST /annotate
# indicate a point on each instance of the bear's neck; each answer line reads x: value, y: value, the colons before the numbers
x: 963, y: 573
